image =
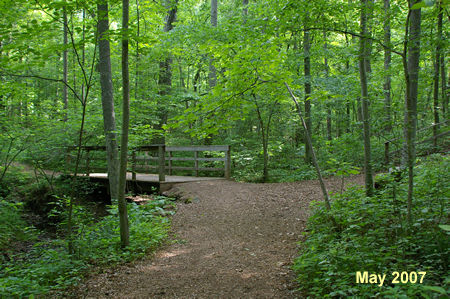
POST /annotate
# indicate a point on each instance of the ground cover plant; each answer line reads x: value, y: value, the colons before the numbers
x: 373, y: 235
x: 46, y: 265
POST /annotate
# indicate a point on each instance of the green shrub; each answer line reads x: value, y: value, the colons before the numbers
x: 373, y: 235
x: 48, y: 266
x: 12, y: 226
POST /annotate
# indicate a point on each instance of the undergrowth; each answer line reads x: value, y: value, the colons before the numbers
x: 48, y: 266
x: 373, y: 235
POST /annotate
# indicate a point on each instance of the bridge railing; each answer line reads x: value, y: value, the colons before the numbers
x: 162, y: 159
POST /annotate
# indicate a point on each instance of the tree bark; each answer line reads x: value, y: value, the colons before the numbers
x: 138, y: 55
x: 196, y: 80
x: 109, y: 118
x: 165, y: 74
x: 265, y: 133
x: 123, y: 214
x: 437, y: 64
x: 444, y: 88
x: 364, y: 100
x: 83, y: 55
x: 348, y: 117
x: 387, y: 66
x: 65, y: 64
x: 444, y: 95
x: 245, y: 9
x: 411, y: 65
x: 307, y: 74
x: 369, y: 13
x: 212, y: 76
x: 327, y: 71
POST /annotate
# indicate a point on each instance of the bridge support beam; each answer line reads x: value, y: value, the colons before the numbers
x: 162, y: 163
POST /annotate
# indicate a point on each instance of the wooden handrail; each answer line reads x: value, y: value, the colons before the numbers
x: 162, y: 149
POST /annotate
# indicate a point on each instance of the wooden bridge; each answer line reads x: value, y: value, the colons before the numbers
x: 155, y: 165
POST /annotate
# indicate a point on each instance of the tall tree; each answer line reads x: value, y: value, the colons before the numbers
x: 138, y: 54
x: 437, y: 64
x: 65, y: 68
x: 165, y: 73
x: 212, y: 76
x: 124, y: 230
x: 387, y: 66
x: 327, y: 71
x: 307, y: 74
x: 411, y: 57
x: 363, y: 58
x: 444, y: 94
x: 109, y: 118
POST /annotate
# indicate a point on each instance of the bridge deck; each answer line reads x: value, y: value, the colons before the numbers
x: 153, y: 178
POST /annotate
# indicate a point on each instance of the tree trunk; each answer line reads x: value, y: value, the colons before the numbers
x: 444, y: 95
x: 123, y: 215
x: 327, y: 71
x: 314, y: 159
x: 74, y: 63
x: 437, y: 64
x: 412, y: 79
x: 444, y: 88
x: 245, y: 9
x: 83, y: 55
x: 364, y: 99
x: 212, y: 76
x: 369, y: 17
x: 165, y: 74
x: 109, y: 118
x: 307, y: 74
x: 265, y: 133
x: 196, y: 80
x: 348, y: 116
x: 138, y: 56
x: 65, y: 68
x: 387, y: 66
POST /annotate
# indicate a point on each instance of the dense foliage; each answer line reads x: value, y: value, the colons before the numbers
x: 374, y: 236
x: 36, y: 262
x: 371, y: 78
x: 255, y: 48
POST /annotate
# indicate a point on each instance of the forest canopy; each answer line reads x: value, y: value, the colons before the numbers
x: 370, y: 78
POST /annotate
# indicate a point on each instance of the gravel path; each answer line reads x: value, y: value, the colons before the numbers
x: 234, y: 240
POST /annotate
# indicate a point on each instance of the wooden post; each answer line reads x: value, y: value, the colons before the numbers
x: 386, y: 152
x: 228, y: 163
x: 87, y: 163
x: 196, y: 162
x: 162, y: 162
x: 170, y: 163
x: 133, y: 165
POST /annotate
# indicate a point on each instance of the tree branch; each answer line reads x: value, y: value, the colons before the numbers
x: 355, y: 35
x: 5, y: 73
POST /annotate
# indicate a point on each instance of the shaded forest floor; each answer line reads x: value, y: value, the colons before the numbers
x: 233, y: 240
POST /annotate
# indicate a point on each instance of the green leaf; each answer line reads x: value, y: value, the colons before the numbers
x: 445, y: 227
x: 436, y: 289
x: 419, y: 5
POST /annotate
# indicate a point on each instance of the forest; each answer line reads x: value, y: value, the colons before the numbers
x: 319, y: 132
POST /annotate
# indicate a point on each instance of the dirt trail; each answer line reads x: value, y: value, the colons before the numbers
x: 235, y: 240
